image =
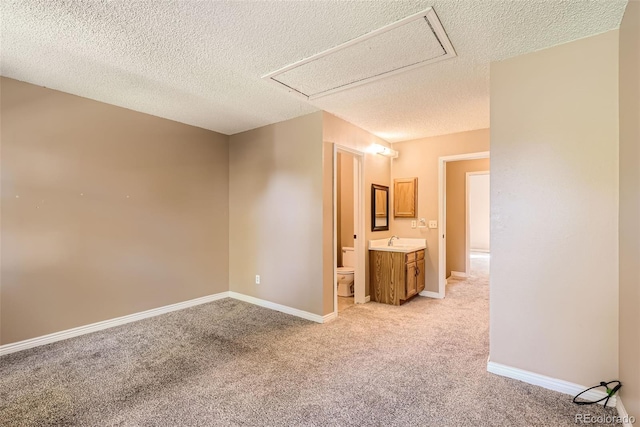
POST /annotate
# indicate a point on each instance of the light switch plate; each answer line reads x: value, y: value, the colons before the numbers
x: 413, y: 224
x: 433, y: 223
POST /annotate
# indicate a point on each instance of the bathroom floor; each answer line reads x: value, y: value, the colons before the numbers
x: 344, y: 303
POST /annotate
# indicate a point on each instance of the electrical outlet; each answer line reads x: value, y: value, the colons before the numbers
x: 257, y: 279
x: 413, y: 224
x: 433, y: 223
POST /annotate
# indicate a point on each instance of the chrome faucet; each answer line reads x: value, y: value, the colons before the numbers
x: 391, y: 240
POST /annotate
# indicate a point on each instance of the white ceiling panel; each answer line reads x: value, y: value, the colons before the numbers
x: 406, y: 44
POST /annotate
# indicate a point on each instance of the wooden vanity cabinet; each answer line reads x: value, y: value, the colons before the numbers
x: 395, y: 276
x: 420, y: 278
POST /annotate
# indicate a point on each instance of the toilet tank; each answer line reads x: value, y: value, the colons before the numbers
x: 348, y: 257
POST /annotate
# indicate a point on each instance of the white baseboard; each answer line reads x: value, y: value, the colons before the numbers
x: 554, y: 384
x: 486, y: 251
x: 329, y: 317
x: 458, y: 274
x: 431, y: 294
x: 627, y: 421
x: 367, y: 299
x: 278, y: 307
x: 105, y: 324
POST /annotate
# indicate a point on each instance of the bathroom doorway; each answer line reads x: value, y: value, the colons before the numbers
x: 456, y: 258
x: 348, y: 230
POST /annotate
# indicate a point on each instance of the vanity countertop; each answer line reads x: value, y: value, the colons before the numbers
x: 402, y: 244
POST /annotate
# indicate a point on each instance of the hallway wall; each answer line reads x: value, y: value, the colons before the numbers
x: 554, y: 211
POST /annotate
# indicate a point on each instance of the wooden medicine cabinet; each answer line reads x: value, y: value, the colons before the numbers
x: 405, y: 197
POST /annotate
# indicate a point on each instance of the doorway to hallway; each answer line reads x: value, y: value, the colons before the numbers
x: 454, y: 247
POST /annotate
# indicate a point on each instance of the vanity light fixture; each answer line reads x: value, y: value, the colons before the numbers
x: 385, y: 151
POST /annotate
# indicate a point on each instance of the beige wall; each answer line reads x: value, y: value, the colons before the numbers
x: 275, y: 213
x: 456, y: 201
x: 554, y: 211
x: 105, y: 211
x: 629, y: 233
x: 377, y: 170
x: 344, y: 200
x: 419, y: 158
x: 479, y: 212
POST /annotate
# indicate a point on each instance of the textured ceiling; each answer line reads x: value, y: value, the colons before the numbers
x: 201, y: 62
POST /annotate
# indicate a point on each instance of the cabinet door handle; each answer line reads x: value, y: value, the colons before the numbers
x: 417, y: 271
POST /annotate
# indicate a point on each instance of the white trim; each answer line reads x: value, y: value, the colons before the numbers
x: 434, y: 23
x: 367, y: 299
x: 442, y: 281
x: 467, y: 228
x: 549, y: 383
x: 485, y: 251
x: 105, y: 324
x: 623, y: 414
x: 431, y: 294
x: 277, y: 307
x: 329, y: 317
x: 442, y: 223
x: 334, y: 226
x: 349, y: 150
x: 458, y: 275
x: 360, y: 243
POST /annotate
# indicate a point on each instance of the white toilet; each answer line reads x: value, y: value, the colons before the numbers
x: 345, y: 274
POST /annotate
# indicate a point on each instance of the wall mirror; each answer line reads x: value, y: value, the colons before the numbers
x: 379, y: 207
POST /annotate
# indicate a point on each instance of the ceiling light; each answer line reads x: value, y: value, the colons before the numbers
x: 385, y: 151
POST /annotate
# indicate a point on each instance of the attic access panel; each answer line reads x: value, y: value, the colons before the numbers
x: 412, y: 42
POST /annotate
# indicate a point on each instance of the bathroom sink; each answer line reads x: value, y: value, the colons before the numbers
x: 405, y: 245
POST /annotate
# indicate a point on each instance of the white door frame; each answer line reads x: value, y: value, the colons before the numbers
x: 358, y: 224
x: 467, y: 222
x: 442, y: 213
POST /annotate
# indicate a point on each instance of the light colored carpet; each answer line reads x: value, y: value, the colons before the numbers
x: 232, y: 363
